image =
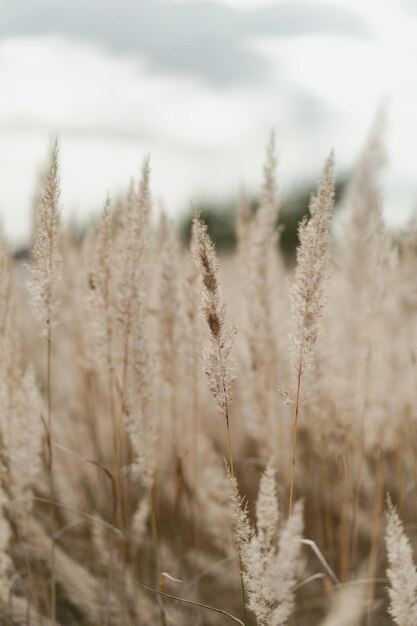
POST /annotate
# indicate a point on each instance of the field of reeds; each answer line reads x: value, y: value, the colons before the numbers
x: 194, y: 439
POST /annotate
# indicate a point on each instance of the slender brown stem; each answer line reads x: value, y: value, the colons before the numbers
x: 203, y: 606
x: 118, y: 509
x: 232, y: 474
x: 51, y: 464
x: 53, y: 585
x: 294, y: 439
x: 229, y: 442
x: 155, y: 548
x: 346, y: 510
x: 361, y: 451
x: 49, y: 410
x: 48, y: 381
x: 119, y: 433
x: 328, y: 513
x: 376, y: 524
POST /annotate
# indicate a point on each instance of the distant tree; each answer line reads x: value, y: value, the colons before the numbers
x: 220, y: 220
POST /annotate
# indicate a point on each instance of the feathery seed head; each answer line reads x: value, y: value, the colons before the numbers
x: 267, y: 509
x: 283, y: 573
x: 401, y: 572
x: 308, y: 289
x: 218, y: 355
x: 46, y: 261
x: 242, y: 529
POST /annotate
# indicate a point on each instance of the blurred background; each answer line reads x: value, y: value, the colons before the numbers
x: 200, y: 85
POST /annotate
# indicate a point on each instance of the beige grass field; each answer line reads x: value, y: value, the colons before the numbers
x: 194, y: 440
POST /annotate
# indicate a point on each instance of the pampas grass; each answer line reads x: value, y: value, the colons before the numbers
x: 307, y: 291
x: 271, y: 562
x: 218, y: 359
x: 402, y: 573
x: 124, y: 386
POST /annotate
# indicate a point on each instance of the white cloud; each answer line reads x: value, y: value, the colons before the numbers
x: 110, y: 110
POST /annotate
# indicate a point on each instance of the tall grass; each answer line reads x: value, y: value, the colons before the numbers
x: 124, y: 391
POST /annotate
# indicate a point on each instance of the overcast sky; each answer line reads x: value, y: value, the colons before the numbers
x: 199, y: 85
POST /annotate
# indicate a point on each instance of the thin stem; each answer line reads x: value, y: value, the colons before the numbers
x: 53, y: 585
x: 117, y: 426
x: 101, y: 466
x: 346, y: 509
x: 328, y: 513
x: 294, y: 439
x: 49, y: 410
x: 66, y: 507
x: 376, y: 523
x: 203, y: 606
x: 155, y: 548
x: 48, y: 381
x: 51, y: 462
x: 118, y: 508
x: 242, y: 587
x: 232, y: 474
x: 361, y: 451
x: 229, y: 441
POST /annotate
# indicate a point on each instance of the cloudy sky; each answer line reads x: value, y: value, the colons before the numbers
x: 199, y: 84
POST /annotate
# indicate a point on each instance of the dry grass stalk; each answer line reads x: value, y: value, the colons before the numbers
x: 259, y: 267
x: 168, y: 321
x: 46, y: 266
x: 46, y: 261
x: 101, y: 298
x: 218, y: 360
x: 270, y: 556
x: 308, y: 288
x: 402, y: 573
x: 129, y: 262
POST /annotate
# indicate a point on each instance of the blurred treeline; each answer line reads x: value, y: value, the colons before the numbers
x: 221, y: 218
